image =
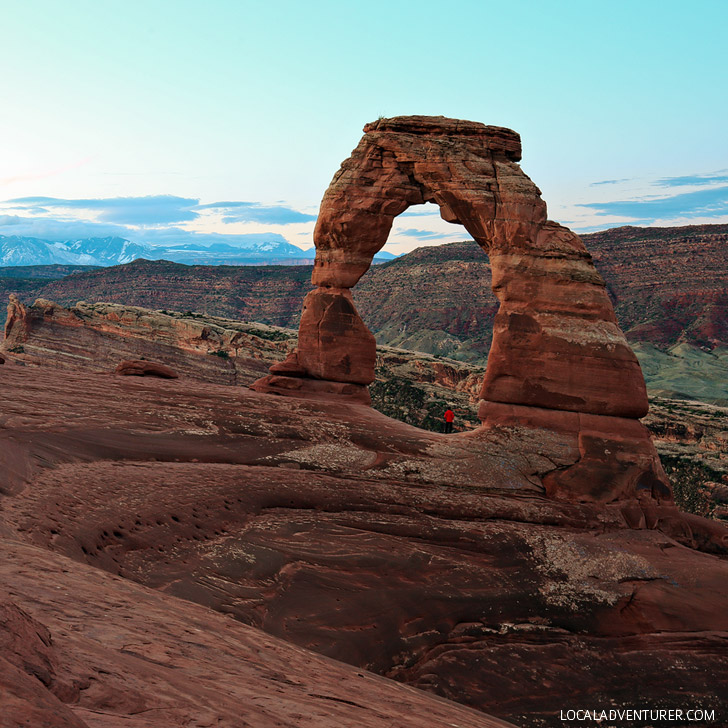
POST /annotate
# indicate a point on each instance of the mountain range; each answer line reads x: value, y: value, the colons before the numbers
x: 254, y: 249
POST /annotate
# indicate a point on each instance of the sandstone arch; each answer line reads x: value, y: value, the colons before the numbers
x: 557, y: 347
x: 556, y: 342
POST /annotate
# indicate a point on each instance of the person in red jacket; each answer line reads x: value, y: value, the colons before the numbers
x: 449, y: 417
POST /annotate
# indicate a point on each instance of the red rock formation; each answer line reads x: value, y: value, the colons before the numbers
x: 556, y: 343
x: 142, y: 368
x: 15, y: 322
x: 98, y: 336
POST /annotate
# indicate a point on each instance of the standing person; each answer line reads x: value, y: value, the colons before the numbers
x: 449, y: 417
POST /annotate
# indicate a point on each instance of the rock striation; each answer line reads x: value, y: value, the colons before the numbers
x: 558, y: 359
x: 94, y: 337
x: 97, y: 336
x: 102, y: 652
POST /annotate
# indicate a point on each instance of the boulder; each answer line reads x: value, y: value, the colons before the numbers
x: 142, y: 368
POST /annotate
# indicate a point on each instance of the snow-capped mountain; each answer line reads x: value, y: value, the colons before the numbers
x: 18, y: 251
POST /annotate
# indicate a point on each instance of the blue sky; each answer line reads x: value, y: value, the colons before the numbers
x: 144, y: 118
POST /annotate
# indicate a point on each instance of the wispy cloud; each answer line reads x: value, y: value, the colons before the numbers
x: 155, y: 210
x: 711, y: 202
x: 234, y: 211
x: 695, y: 180
x: 421, y: 211
x: 610, y: 182
x: 430, y: 234
x: 53, y: 229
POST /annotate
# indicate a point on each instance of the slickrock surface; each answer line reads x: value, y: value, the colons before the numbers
x: 435, y: 560
x: 101, y: 652
x: 414, y: 387
x: 98, y: 336
x: 690, y: 437
x: 141, y: 368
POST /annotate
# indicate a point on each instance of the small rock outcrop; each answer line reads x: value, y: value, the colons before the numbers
x: 558, y: 360
x: 141, y: 368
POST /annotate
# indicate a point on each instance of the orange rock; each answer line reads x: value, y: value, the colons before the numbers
x: 333, y: 341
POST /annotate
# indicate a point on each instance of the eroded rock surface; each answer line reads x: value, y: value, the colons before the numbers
x: 97, y: 336
x: 432, y: 559
x: 144, y: 659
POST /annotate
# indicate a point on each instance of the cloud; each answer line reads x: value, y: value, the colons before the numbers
x: 235, y: 211
x: 711, y: 202
x: 155, y: 210
x: 55, y: 230
x: 150, y: 210
x: 6, y: 220
x: 694, y: 180
x: 430, y: 234
x: 610, y: 182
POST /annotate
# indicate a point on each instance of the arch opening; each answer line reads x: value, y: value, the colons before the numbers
x: 439, y: 311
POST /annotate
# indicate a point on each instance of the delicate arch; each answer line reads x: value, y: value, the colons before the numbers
x: 556, y: 342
